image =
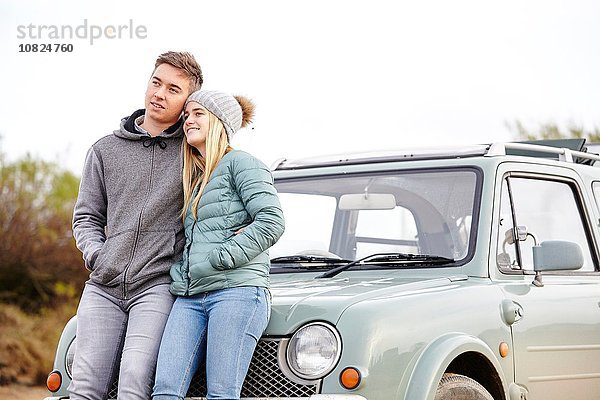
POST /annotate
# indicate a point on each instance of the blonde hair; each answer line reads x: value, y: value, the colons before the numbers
x: 197, y: 168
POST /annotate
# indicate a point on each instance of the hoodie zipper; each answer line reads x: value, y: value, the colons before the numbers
x: 139, y: 224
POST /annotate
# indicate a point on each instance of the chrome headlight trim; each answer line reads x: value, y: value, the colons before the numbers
x: 69, y: 355
x: 329, y: 365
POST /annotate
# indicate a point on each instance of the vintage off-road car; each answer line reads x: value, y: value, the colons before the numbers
x: 429, y: 274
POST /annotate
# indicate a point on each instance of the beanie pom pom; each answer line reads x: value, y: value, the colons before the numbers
x: 247, y: 109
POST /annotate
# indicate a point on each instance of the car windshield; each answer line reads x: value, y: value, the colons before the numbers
x: 336, y: 219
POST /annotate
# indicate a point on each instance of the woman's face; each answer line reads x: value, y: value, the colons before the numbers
x: 196, y: 125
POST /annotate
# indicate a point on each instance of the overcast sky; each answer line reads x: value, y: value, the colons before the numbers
x: 326, y: 76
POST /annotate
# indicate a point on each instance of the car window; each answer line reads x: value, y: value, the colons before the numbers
x: 308, y: 223
x: 506, y: 256
x: 353, y: 215
x: 542, y: 210
x: 596, y: 190
x: 380, y: 231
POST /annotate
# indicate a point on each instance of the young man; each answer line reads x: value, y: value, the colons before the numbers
x: 127, y: 223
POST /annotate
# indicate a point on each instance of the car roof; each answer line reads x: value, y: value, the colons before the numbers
x: 569, y: 150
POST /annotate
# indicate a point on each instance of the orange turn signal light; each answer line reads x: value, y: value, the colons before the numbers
x: 54, y: 381
x: 503, y: 349
x: 350, y: 378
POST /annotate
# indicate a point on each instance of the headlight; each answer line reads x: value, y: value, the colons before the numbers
x: 314, y: 350
x: 69, y: 358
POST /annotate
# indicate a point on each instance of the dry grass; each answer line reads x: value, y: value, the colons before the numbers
x: 20, y: 392
x: 28, y: 343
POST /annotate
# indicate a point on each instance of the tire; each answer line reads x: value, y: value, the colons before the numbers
x: 460, y: 387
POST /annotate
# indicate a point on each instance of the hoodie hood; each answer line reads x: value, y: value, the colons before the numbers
x: 127, y: 128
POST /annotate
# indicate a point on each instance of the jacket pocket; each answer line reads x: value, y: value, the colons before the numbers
x: 113, y: 258
x: 201, y: 269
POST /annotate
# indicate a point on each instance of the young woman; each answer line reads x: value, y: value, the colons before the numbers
x: 232, y: 216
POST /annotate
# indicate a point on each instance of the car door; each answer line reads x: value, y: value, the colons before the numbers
x: 556, y: 335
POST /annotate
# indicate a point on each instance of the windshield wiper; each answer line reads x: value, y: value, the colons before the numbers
x: 395, y: 258
x: 308, y: 259
x: 417, y: 258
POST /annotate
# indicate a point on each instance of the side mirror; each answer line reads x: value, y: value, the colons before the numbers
x: 556, y: 255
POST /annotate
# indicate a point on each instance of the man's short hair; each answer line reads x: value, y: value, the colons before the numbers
x: 187, y: 63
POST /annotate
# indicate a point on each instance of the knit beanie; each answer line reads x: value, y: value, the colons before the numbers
x: 234, y: 112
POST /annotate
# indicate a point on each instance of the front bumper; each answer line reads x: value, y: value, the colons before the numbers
x: 313, y: 397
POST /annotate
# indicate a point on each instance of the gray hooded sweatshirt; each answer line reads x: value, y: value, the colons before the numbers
x: 127, y: 220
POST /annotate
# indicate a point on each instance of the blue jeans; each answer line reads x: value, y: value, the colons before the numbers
x: 223, y: 326
x: 112, y: 331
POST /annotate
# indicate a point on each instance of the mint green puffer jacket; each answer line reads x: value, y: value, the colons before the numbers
x: 240, y: 193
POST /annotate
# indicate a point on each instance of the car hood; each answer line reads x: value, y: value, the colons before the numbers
x: 299, y: 300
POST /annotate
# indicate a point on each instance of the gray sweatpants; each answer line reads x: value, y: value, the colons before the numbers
x: 112, y: 332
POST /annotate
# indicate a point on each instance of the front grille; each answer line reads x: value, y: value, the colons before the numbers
x: 264, y: 379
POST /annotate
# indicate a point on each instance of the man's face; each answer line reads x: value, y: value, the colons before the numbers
x: 166, y: 94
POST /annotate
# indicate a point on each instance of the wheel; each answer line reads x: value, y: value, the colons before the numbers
x: 460, y: 387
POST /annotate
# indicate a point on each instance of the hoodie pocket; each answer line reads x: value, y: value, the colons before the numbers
x: 113, y: 258
x: 156, y: 251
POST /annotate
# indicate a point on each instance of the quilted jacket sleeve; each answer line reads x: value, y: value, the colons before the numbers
x: 254, y: 183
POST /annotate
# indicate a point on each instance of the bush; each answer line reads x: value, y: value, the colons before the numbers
x: 29, y: 341
x: 37, y: 250
x: 41, y: 270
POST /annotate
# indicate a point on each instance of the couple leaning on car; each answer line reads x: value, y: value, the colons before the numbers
x: 174, y: 226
